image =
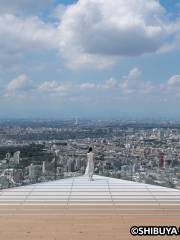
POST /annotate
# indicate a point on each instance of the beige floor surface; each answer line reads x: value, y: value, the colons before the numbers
x: 80, y: 223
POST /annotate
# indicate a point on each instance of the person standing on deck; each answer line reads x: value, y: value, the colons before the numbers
x: 90, y: 164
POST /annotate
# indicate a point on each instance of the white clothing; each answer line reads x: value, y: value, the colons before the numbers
x: 90, y: 165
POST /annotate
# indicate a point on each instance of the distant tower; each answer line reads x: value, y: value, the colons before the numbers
x: 76, y: 121
x: 16, y: 157
x: 133, y: 168
x: 31, y: 170
x: 44, y: 167
x: 69, y: 165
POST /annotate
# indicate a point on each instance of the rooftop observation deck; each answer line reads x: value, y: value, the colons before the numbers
x: 48, y: 210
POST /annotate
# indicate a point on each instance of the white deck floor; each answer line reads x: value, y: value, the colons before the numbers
x: 79, y: 190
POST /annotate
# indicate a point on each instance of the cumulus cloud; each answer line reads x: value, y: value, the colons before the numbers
x: 88, y: 86
x: 173, y: 85
x: 21, y: 35
x: 174, y: 81
x: 90, y: 33
x: 108, y: 84
x: 19, y: 84
x: 130, y: 84
x: 22, y: 86
x: 134, y: 73
x: 53, y: 87
x: 97, y: 31
x: 17, y: 34
x: 134, y: 85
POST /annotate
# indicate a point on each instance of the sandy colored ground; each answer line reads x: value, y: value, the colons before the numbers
x: 35, y: 223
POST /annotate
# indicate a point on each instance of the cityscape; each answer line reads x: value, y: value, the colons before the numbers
x: 34, y: 151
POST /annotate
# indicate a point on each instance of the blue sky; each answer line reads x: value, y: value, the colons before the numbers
x: 90, y: 58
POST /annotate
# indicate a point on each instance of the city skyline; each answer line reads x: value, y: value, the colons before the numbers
x: 90, y: 59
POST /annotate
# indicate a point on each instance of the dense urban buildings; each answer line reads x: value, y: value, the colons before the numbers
x: 41, y: 150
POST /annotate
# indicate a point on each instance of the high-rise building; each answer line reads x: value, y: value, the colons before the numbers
x: 161, y: 160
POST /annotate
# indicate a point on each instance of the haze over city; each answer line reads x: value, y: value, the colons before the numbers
x: 89, y: 58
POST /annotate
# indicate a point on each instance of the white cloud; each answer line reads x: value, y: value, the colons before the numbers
x: 88, y: 86
x: 22, y: 34
x: 108, y: 84
x: 173, y: 86
x: 22, y: 86
x: 19, y: 84
x: 174, y: 81
x: 19, y: 36
x: 126, y: 87
x: 130, y: 84
x: 53, y: 87
x: 133, y: 84
x: 94, y: 32
x: 111, y: 83
x: 134, y: 73
x: 91, y: 33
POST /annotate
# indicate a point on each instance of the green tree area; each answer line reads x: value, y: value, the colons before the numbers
x: 33, y: 153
